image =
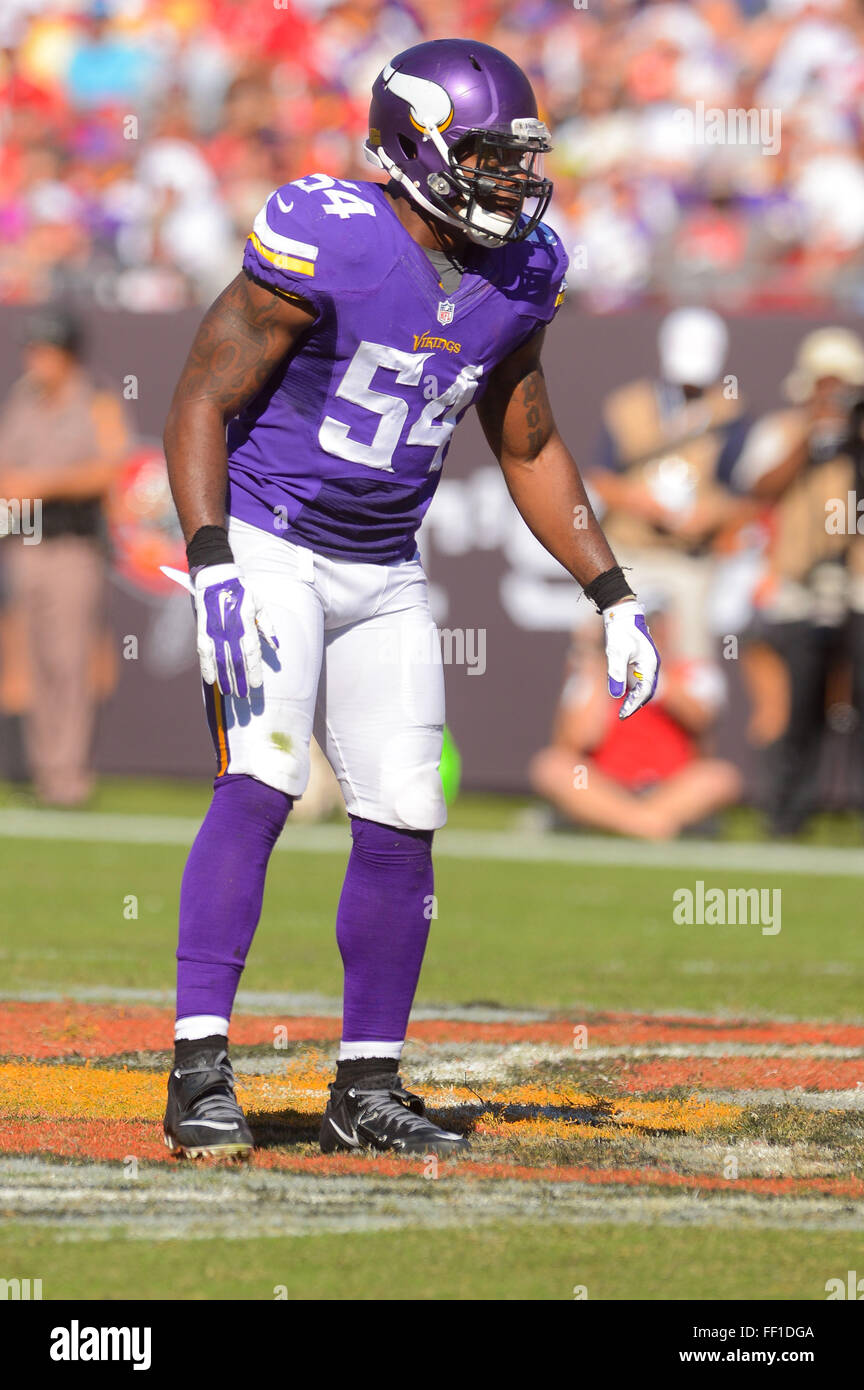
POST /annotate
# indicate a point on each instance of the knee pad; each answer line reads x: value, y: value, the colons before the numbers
x: 413, y: 797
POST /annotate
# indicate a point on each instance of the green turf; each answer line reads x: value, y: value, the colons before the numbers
x: 548, y: 935
x: 520, y: 1261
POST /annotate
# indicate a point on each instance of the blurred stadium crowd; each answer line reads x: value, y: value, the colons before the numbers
x: 709, y: 154
x: 136, y: 131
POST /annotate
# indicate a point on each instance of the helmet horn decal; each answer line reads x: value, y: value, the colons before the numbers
x: 430, y: 104
x: 477, y: 162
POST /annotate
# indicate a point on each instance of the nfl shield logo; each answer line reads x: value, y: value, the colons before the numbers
x: 446, y: 310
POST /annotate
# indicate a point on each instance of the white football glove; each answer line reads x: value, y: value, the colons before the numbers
x: 632, y: 659
x: 231, y: 624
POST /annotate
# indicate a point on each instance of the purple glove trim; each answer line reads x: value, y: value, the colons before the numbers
x: 225, y: 627
x: 643, y: 628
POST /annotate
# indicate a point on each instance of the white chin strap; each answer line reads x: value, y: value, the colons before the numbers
x: 485, y: 228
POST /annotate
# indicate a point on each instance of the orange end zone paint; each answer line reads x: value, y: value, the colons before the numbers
x: 115, y: 1141
x: 69, y: 1028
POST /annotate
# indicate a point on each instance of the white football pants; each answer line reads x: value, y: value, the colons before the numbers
x: 359, y: 664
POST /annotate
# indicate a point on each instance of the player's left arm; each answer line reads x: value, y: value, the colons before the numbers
x: 545, y: 483
x: 539, y: 469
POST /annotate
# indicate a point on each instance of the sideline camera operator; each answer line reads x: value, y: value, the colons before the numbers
x: 807, y: 462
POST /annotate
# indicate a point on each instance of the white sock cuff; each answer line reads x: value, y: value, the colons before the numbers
x: 200, y: 1026
x: 351, y: 1051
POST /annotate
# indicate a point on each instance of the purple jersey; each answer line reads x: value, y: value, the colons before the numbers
x: 342, y: 449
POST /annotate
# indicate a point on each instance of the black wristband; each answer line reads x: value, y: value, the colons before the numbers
x: 209, y: 546
x: 608, y: 588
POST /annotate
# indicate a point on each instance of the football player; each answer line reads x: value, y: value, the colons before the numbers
x: 367, y: 318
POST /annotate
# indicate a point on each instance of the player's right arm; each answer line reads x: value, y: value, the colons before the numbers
x: 243, y: 337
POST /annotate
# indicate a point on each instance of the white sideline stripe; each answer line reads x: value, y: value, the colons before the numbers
x: 516, y: 846
x: 511, y: 1054
x: 793, y: 1096
x: 448, y: 1061
x: 639, y: 1051
x: 446, y: 1069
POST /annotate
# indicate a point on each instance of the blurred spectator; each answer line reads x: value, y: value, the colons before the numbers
x: 666, y: 457
x: 806, y: 460
x: 61, y: 440
x: 647, y: 778
x: 105, y: 67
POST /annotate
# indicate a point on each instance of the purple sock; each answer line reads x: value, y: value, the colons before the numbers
x: 222, y: 891
x: 381, y: 927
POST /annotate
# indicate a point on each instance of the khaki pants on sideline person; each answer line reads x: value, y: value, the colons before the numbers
x: 680, y: 585
x: 58, y: 588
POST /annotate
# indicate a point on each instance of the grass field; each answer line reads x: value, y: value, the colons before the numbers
x: 657, y: 1110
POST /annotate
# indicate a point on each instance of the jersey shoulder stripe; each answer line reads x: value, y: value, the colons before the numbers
x: 284, y: 252
x: 281, y: 259
x: 311, y: 239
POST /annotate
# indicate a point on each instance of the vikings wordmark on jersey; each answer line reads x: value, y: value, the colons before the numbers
x: 342, y: 450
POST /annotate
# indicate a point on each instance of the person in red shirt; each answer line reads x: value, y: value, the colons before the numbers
x: 648, y: 781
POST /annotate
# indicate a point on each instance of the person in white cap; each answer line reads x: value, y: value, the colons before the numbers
x: 668, y: 448
x: 804, y: 461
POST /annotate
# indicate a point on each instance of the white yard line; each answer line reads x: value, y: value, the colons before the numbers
x: 515, y: 846
x: 790, y: 1096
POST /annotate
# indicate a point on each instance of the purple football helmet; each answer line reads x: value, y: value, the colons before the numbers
x: 455, y: 122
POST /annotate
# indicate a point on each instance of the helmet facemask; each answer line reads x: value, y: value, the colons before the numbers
x: 490, y: 177
x: 486, y: 180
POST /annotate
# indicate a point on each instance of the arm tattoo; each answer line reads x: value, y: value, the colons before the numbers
x: 242, y: 339
x: 538, y: 415
x: 515, y: 412
x: 237, y: 347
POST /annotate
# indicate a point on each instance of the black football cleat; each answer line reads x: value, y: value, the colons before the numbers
x: 202, y: 1118
x: 390, y: 1120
